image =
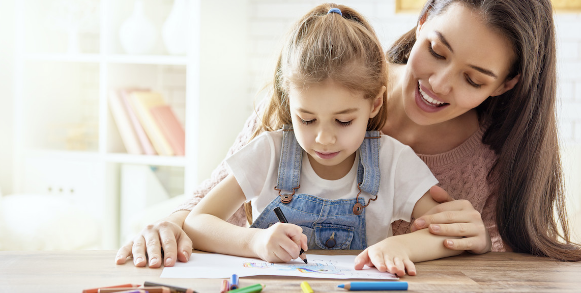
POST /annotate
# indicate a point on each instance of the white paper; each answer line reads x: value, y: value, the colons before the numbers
x: 220, y: 266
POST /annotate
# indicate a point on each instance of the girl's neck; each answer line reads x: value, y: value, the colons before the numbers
x: 335, y: 172
x: 423, y: 139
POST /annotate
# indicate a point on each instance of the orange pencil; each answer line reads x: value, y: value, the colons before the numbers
x: 96, y: 290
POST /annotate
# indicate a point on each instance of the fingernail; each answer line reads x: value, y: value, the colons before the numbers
x: 420, y: 223
x: 449, y: 243
x: 138, y: 260
x: 436, y: 228
x: 168, y: 261
x: 186, y: 255
x: 153, y: 261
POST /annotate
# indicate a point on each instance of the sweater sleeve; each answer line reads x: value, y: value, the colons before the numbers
x: 221, y: 172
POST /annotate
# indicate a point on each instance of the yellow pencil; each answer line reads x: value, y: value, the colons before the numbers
x: 306, y: 287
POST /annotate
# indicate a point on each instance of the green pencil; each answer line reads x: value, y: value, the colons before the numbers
x: 250, y: 289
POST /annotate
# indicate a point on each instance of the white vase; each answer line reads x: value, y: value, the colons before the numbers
x: 137, y: 33
x: 175, y: 29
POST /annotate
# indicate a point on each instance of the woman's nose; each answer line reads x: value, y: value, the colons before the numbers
x: 441, y: 82
x: 325, y: 136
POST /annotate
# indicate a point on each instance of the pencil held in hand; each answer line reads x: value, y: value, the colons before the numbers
x: 282, y: 219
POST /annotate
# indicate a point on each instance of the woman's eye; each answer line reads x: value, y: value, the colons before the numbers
x: 343, y: 123
x: 436, y: 55
x: 307, y: 122
x: 472, y: 83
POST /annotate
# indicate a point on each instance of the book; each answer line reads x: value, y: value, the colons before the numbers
x: 128, y: 136
x: 143, y: 139
x: 142, y: 102
x: 171, y: 128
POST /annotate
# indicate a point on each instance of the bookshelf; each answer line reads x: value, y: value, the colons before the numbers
x: 66, y: 140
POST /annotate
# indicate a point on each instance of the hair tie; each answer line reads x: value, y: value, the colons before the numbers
x: 335, y: 10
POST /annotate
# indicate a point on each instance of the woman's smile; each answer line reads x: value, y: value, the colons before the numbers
x: 427, y: 102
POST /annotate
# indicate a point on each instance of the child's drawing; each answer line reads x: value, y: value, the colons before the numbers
x: 314, y: 266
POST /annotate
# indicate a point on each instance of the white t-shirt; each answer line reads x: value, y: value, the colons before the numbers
x: 404, y: 180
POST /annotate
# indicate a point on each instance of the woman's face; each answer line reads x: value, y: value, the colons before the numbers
x: 456, y: 63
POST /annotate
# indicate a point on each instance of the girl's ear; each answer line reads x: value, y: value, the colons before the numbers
x: 377, y: 103
x: 506, y: 86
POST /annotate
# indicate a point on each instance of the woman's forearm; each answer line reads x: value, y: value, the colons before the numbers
x: 212, y: 234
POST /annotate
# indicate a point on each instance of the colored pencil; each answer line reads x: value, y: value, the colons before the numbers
x: 225, y: 286
x: 174, y: 289
x: 374, y: 286
x: 306, y: 287
x: 96, y: 290
x: 234, y: 282
x: 249, y: 289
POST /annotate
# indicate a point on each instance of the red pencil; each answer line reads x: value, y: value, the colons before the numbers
x: 96, y: 290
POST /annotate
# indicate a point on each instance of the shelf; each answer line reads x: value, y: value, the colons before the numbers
x: 95, y: 58
x: 147, y: 59
x: 119, y: 58
x: 65, y: 155
x: 146, y: 160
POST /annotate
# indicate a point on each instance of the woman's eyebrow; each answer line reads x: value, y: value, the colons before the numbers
x: 443, y: 40
x: 480, y: 69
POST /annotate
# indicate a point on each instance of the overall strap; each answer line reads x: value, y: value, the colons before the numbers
x: 368, y: 173
x: 289, y: 168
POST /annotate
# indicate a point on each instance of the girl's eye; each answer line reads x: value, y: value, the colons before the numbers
x: 436, y: 55
x: 307, y: 122
x: 342, y: 123
x: 472, y: 83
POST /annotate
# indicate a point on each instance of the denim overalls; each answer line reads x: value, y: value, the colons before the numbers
x: 328, y: 224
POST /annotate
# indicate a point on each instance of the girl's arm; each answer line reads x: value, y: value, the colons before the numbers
x: 397, y: 254
x: 206, y: 225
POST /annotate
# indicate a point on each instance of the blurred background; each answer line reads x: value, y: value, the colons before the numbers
x: 113, y: 111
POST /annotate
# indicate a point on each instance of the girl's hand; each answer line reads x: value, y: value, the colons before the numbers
x: 387, y: 256
x: 166, y: 234
x: 279, y: 243
x: 455, y: 218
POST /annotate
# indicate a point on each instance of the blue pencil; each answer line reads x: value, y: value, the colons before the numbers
x: 234, y: 282
x: 374, y: 286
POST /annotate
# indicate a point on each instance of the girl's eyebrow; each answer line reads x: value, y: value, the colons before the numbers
x: 480, y: 69
x: 346, y: 111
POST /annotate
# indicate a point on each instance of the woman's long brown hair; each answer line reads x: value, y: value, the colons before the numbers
x: 530, y: 211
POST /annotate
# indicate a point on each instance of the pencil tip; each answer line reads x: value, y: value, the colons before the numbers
x: 341, y: 286
x: 305, y: 260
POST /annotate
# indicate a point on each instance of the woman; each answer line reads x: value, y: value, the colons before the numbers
x: 472, y: 91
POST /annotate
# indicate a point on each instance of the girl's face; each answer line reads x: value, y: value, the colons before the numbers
x: 456, y: 63
x: 329, y: 123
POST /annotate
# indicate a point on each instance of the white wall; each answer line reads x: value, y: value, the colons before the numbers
x: 6, y: 92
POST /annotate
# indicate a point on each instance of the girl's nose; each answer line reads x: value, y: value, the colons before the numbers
x: 325, y: 136
x: 441, y: 82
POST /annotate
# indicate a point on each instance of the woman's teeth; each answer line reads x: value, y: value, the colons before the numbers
x: 428, y: 99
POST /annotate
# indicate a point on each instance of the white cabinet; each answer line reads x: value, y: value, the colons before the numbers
x: 65, y: 137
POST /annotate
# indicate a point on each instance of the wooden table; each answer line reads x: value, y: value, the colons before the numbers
x: 72, y: 271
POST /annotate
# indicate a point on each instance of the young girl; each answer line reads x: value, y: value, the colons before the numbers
x: 338, y: 181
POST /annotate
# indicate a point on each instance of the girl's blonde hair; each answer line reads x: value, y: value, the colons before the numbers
x: 321, y: 46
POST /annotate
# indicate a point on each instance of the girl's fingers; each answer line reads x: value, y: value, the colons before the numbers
x: 399, y: 267
x: 389, y: 266
x: 361, y: 260
x: 377, y: 260
x: 153, y: 248
x: 410, y: 267
x: 138, y: 250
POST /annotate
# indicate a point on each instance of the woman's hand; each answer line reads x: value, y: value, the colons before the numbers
x: 387, y: 256
x: 279, y: 243
x: 166, y: 234
x: 455, y: 218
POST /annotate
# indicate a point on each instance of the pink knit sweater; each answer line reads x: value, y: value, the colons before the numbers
x: 462, y: 172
